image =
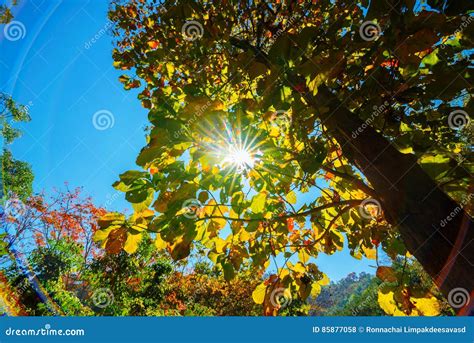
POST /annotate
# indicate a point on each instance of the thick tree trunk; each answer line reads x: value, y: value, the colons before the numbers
x: 435, y: 229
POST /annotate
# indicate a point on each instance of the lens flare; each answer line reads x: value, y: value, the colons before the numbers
x: 235, y: 150
x: 242, y: 159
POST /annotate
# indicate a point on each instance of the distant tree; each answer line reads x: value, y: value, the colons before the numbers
x: 137, y: 282
x: 335, y: 296
x: 49, y: 244
x: 16, y: 177
x: 42, y: 219
x: 5, y: 13
x: 204, y: 291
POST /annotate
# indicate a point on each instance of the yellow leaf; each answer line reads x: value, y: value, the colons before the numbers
x: 303, y: 256
x: 209, y: 208
x: 258, y: 202
x: 145, y: 213
x: 244, y: 236
x: 170, y: 68
x: 371, y: 254
x: 427, y: 306
x: 101, y: 235
x: 160, y: 244
x: 112, y: 218
x: 220, y: 244
x: 131, y: 245
x: 274, y: 131
x: 388, y: 305
x: 291, y: 197
x: 315, y: 289
x: 299, y: 268
x: 324, y: 281
x: 258, y: 295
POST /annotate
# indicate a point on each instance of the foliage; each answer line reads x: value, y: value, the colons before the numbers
x: 49, y: 244
x: 239, y: 79
x: 363, y: 294
x: 54, y: 267
x: 16, y: 177
x: 42, y: 220
x: 57, y: 258
x: 338, y: 298
x: 43, y: 284
x: 136, y: 281
x: 5, y: 12
x: 141, y: 284
x: 407, y: 290
x: 208, y: 293
x: 11, y: 112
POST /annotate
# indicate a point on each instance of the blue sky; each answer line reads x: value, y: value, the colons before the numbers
x: 62, y: 69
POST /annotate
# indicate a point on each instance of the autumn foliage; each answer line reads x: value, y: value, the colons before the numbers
x: 251, y: 123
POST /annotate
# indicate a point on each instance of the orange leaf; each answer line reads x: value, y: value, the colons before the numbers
x: 329, y: 176
x: 116, y: 240
x: 290, y: 222
x: 153, y: 44
x: 386, y: 274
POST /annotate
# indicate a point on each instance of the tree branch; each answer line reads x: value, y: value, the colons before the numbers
x: 351, y: 203
x: 357, y: 182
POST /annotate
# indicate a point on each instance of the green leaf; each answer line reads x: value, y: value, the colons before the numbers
x: 229, y: 272
x: 431, y: 59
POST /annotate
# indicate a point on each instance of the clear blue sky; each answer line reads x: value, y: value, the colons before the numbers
x: 66, y: 78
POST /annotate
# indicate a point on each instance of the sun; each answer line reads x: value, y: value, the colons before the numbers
x: 234, y: 149
x: 239, y: 157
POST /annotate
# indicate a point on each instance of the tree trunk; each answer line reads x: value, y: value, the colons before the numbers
x: 435, y: 229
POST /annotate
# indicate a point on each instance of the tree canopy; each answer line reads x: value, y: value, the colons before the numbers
x: 16, y: 177
x: 282, y: 130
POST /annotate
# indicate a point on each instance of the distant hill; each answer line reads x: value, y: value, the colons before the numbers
x: 356, y: 294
